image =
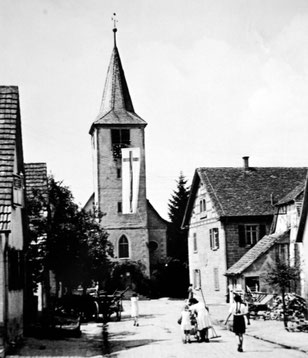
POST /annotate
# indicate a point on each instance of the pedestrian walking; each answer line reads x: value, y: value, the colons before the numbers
x: 239, y: 311
x: 135, y: 308
x: 203, y: 319
x: 186, y: 324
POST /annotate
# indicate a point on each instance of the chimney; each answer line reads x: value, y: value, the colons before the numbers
x: 246, y: 163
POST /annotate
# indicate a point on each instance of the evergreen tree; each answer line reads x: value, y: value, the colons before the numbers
x: 177, y: 237
x: 175, y: 276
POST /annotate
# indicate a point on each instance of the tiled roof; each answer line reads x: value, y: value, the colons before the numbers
x: 9, y: 133
x: 260, y: 248
x: 5, y: 217
x: 36, y: 179
x: 117, y: 106
x: 239, y: 192
x: 296, y: 194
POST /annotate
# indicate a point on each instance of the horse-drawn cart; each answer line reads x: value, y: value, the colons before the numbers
x: 110, y: 304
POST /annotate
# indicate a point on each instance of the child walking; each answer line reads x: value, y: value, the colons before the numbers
x: 239, y: 311
x: 186, y: 324
x: 135, y: 308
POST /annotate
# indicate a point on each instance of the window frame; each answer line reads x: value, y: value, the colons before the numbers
x: 123, y: 247
x: 195, y: 243
x: 216, y: 279
x: 197, y: 279
x: 214, y: 238
x: 119, y: 140
x: 202, y: 208
x: 246, y: 233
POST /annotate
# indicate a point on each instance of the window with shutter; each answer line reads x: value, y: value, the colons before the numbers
x: 241, y: 235
x: 216, y: 279
x: 15, y: 271
x: 262, y: 231
x: 18, y: 195
x: 195, y: 244
x: 214, y: 239
x: 197, y: 280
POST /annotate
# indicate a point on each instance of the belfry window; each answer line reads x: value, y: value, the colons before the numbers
x: 120, y: 138
x: 123, y: 247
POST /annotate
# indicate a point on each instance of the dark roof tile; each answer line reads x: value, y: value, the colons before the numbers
x: 238, y: 192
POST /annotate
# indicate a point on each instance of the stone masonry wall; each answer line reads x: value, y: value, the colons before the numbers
x: 234, y: 251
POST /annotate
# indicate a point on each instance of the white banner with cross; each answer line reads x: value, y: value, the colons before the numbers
x: 130, y: 179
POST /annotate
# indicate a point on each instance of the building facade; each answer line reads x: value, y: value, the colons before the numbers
x: 12, y: 219
x: 119, y: 166
x: 249, y: 273
x: 229, y: 210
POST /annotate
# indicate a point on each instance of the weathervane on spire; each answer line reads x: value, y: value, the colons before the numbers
x: 114, y: 19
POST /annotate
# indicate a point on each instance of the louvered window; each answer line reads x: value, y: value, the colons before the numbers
x: 214, y: 239
x: 18, y: 190
x: 197, y: 280
x: 195, y: 243
x: 216, y: 279
x: 16, y: 269
x: 120, y: 138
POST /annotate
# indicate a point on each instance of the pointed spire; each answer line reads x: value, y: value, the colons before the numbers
x: 116, y: 94
x: 117, y: 106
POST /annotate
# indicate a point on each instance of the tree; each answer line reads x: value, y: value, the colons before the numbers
x: 177, y: 237
x: 37, y: 207
x: 78, y: 249
x: 177, y: 247
x: 282, y: 275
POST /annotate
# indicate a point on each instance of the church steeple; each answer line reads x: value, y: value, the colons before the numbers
x: 116, y: 94
x: 117, y: 106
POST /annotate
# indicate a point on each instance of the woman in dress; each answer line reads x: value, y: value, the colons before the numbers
x: 239, y: 311
x: 203, y: 319
x: 134, y: 308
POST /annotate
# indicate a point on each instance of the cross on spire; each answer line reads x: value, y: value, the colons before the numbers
x: 115, y: 20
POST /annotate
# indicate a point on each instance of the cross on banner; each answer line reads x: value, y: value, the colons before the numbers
x: 131, y: 177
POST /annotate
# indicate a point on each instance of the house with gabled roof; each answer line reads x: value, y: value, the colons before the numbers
x: 12, y: 218
x: 229, y: 210
x: 302, y: 240
x: 248, y: 273
x: 37, y: 203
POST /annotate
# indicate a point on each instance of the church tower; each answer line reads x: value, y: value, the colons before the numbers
x: 118, y: 151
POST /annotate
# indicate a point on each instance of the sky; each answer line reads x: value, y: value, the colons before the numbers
x: 215, y: 80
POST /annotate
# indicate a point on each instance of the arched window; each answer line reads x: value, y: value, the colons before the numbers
x: 123, y: 247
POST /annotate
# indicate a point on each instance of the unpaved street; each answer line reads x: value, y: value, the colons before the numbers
x: 157, y: 336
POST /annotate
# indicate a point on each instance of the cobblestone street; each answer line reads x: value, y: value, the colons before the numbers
x: 159, y: 336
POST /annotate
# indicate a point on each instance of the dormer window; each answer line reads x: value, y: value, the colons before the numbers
x: 18, y: 192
